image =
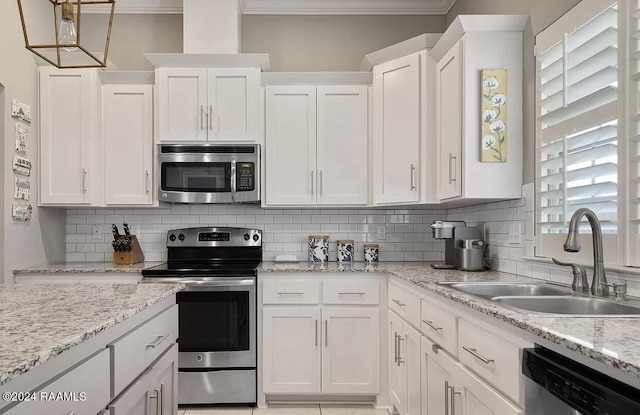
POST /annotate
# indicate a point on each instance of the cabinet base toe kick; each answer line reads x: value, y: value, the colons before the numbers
x: 217, y: 386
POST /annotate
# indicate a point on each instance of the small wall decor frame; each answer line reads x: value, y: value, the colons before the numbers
x: 494, y: 116
x: 21, y: 111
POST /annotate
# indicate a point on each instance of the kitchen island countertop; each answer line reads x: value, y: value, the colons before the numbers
x: 41, y: 321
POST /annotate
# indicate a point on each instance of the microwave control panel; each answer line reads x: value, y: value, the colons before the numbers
x: 246, y: 174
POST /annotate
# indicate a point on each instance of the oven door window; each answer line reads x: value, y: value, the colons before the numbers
x: 214, y: 321
x: 196, y: 177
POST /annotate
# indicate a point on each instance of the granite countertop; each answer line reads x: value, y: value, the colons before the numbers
x: 84, y: 267
x: 40, y: 321
x: 613, y: 341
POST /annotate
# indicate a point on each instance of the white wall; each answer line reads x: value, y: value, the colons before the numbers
x: 41, y: 240
x: 543, y: 13
x: 295, y: 43
x: 329, y: 43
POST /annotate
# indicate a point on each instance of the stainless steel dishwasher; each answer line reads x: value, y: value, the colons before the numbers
x: 557, y: 385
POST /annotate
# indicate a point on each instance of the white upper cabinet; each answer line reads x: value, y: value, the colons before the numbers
x: 234, y: 104
x: 316, y: 145
x: 342, y: 145
x: 182, y: 104
x: 472, y: 44
x: 68, y: 119
x: 449, y: 124
x: 215, y: 104
x: 290, y: 145
x: 396, y: 130
x: 91, y: 154
x: 128, y: 144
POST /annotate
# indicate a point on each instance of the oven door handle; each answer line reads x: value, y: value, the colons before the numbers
x: 199, y: 285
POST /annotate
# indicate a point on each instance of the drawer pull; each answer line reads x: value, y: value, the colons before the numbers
x: 430, y: 324
x: 290, y: 293
x: 478, y: 355
x: 435, y: 348
x: 156, y: 343
x: 316, y: 332
x: 346, y: 293
x: 401, y: 304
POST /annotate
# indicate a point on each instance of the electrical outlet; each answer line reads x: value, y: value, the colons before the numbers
x: 96, y: 232
x: 515, y: 233
x: 381, y: 232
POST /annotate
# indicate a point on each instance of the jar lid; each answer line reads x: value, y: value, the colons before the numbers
x: 318, y: 236
x: 345, y: 241
x: 370, y: 245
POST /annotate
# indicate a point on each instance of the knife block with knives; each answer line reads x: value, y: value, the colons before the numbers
x: 126, y: 248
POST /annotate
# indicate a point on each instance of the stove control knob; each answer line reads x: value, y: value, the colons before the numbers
x: 199, y: 358
x: 172, y: 237
x: 256, y: 237
x: 246, y: 236
x: 181, y: 237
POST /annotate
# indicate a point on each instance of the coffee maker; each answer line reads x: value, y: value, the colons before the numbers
x: 450, y: 231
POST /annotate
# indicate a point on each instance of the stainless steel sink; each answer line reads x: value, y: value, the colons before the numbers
x: 575, y: 305
x: 546, y: 299
x: 500, y: 289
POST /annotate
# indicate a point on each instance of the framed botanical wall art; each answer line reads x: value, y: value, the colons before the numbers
x: 494, y: 116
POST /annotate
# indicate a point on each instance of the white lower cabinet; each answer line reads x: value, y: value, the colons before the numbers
x: 350, y: 354
x: 449, y: 388
x: 315, y: 348
x: 291, y: 349
x: 404, y: 346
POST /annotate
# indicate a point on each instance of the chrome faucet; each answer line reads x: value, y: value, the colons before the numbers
x: 599, y: 285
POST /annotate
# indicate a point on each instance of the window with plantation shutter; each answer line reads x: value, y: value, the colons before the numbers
x: 578, y: 119
x: 633, y: 56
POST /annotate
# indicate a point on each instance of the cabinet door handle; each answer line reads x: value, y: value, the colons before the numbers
x: 452, y: 396
x: 210, y: 117
x: 157, y: 341
x: 311, y: 182
x: 320, y: 182
x: 475, y: 353
x: 430, y: 324
x: 326, y: 333
x: 290, y: 293
x: 413, y: 172
x: 201, y: 117
x: 158, y: 399
x: 400, y: 361
x: 395, y: 348
x: 316, y: 332
x: 84, y: 180
x: 446, y: 397
x: 401, y: 304
x: 146, y: 182
x: 161, y: 399
x: 451, y: 158
x: 354, y: 293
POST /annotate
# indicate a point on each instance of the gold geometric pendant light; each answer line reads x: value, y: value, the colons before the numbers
x: 67, y: 49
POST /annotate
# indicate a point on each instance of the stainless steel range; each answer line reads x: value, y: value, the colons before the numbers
x: 217, y: 309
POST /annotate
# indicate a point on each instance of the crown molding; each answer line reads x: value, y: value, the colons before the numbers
x: 295, y: 7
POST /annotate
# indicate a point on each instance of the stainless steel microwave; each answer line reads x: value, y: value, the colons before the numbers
x: 209, y: 173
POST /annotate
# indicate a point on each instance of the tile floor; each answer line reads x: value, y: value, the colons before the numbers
x: 286, y: 410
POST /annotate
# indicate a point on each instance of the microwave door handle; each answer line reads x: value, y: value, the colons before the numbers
x: 233, y: 179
